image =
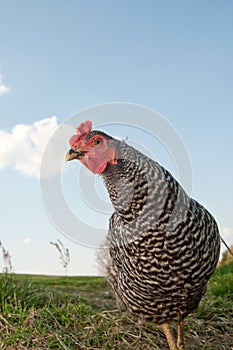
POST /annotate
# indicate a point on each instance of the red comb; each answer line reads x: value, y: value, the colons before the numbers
x: 83, y: 129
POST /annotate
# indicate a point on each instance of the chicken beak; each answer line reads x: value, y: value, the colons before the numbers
x: 73, y: 154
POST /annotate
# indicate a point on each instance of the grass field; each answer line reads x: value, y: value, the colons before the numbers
x: 40, y: 312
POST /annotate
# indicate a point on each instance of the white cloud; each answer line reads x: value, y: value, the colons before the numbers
x: 228, y: 232
x: 27, y: 241
x: 4, y: 89
x: 23, y: 147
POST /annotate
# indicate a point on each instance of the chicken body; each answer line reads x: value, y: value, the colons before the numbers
x: 163, y: 245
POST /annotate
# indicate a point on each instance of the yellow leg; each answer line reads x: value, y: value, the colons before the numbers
x: 180, y: 336
x: 170, y: 338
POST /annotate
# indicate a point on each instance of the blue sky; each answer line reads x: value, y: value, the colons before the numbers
x: 59, y: 57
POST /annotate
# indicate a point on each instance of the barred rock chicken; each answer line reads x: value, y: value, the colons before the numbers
x: 163, y: 245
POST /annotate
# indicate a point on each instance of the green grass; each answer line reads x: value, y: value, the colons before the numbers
x: 42, y: 312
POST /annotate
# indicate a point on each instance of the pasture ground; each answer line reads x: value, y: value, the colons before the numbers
x: 49, y: 312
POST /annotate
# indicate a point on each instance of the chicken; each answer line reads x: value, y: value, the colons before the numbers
x: 163, y: 245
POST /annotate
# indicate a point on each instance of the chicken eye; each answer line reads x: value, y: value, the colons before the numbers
x: 97, y: 141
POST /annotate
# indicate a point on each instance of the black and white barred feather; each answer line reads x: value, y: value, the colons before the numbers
x: 163, y: 245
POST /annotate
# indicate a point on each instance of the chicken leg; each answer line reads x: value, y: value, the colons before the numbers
x: 170, y: 338
x: 180, y: 336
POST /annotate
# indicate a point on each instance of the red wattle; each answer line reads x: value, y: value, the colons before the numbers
x: 102, y: 168
x: 94, y: 166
